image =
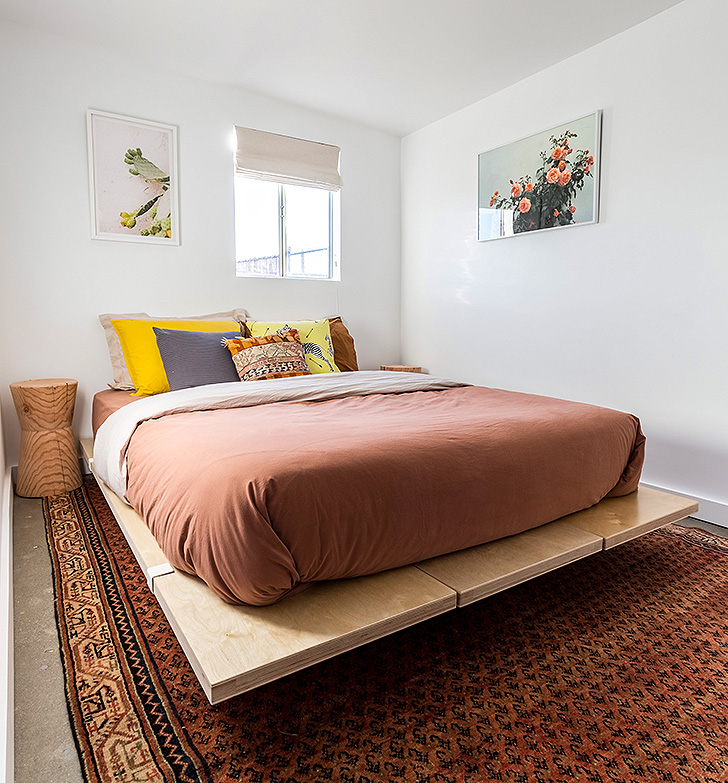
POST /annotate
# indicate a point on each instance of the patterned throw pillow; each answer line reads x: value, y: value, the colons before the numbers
x: 315, y: 337
x: 270, y: 356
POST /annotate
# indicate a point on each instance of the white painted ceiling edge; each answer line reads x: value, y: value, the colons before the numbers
x: 396, y: 65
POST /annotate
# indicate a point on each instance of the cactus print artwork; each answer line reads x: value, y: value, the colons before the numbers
x: 132, y: 178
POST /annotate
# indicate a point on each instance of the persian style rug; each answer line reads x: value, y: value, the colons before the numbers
x: 611, y: 669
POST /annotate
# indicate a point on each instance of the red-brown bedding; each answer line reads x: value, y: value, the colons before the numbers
x: 260, y: 501
x: 107, y: 402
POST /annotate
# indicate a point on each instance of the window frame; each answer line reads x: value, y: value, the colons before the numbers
x: 284, y: 257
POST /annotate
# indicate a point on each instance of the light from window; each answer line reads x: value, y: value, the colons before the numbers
x: 285, y: 230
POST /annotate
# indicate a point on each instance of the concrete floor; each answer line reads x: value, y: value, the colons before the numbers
x: 44, y: 748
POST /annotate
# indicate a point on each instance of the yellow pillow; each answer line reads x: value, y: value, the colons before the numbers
x: 139, y: 344
x: 315, y: 337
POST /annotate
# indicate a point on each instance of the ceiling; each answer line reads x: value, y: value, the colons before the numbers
x: 397, y: 65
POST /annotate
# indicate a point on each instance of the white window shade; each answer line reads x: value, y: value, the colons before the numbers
x: 286, y: 160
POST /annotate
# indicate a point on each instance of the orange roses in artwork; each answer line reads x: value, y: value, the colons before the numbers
x: 551, y: 191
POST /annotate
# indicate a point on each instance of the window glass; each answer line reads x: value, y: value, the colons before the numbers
x: 307, y: 231
x: 257, y: 232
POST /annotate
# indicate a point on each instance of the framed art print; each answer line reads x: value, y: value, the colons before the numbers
x: 133, y: 179
x: 547, y: 180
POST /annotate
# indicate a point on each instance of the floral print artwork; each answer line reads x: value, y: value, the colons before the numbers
x: 547, y: 196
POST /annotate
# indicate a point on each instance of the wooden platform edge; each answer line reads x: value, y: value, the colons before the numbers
x: 490, y: 568
x: 485, y: 570
x: 296, y: 633
x: 621, y: 519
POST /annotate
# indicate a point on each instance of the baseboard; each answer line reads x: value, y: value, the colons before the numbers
x: 7, y: 765
x: 710, y: 510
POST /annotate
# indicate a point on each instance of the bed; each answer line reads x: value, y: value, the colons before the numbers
x: 263, y: 488
x: 284, y: 521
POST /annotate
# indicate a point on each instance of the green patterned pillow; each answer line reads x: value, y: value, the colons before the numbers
x: 315, y: 337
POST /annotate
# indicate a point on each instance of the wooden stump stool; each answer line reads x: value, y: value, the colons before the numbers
x: 400, y: 367
x: 48, y: 463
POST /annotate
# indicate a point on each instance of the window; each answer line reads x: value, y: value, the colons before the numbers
x: 286, y: 207
x: 285, y: 230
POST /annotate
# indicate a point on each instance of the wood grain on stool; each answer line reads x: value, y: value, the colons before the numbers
x: 48, y: 462
x: 400, y: 367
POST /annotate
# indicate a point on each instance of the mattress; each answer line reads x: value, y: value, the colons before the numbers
x: 264, y: 488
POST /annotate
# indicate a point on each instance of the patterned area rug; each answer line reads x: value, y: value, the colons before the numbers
x: 611, y: 669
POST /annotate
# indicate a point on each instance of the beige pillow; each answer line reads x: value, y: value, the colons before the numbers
x: 122, y: 379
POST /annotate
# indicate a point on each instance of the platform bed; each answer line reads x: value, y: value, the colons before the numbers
x: 234, y: 649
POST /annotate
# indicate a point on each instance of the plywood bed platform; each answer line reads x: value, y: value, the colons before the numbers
x: 233, y: 649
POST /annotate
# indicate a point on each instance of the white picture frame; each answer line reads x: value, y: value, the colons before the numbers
x: 543, y: 181
x: 133, y: 181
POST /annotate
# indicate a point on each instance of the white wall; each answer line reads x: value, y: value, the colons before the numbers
x: 631, y: 313
x: 54, y: 279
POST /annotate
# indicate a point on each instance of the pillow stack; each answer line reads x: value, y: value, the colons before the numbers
x: 143, y: 359
x: 155, y: 355
x: 122, y: 378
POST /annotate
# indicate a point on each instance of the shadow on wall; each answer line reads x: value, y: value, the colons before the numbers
x: 690, y: 470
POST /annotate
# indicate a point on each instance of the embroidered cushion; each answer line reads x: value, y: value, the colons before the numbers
x: 315, y: 338
x: 278, y: 355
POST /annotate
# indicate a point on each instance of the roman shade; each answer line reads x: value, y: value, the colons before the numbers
x: 286, y: 160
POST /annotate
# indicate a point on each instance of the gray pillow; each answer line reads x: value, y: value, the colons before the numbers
x: 195, y: 358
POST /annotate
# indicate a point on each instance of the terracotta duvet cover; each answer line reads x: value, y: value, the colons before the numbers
x: 331, y: 477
